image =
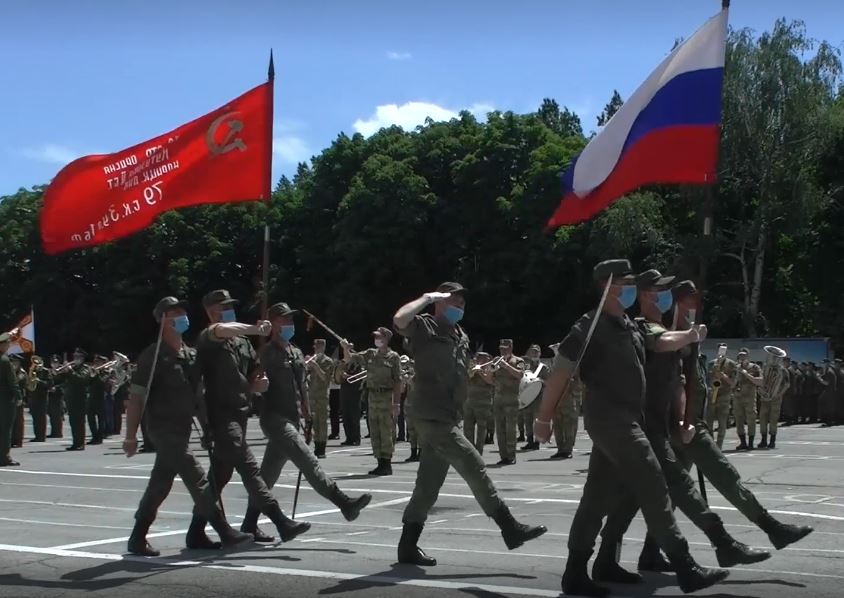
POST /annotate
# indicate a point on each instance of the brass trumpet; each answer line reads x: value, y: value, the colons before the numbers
x: 492, y: 363
x: 32, y: 375
x: 355, y: 378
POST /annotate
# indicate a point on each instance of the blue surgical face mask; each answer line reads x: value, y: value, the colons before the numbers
x: 181, y: 324
x: 228, y: 315
x: 664, y: 301
x: 453, y: 314
x: 287, y: 332
x: 627, y: 297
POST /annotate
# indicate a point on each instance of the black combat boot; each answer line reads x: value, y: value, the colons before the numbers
x: 606, y: 567
x: 750, y: 443
x: 762, y: 443
x: 250, y: 526
x: 228, y: 536
x: 409, y: 551
x: 384, y: 468
x: 782, y: 534
x: 514, y: 533
x: 138, y: 540
x: 414, y: 455
x: 349, y: 507
x: 319, y: 450
x: 521, y: 437
x: 773, y: 443
x: 730, y: 552
x: 287, y: 528
x: 197, y: 539
x: 651, y: 559
x: 691, y: 577
x: 561, y: 454
x: 742, y: 445
x: 576, y: 580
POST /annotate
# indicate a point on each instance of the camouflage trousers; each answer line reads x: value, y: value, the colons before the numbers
x: 528, y: 414
x: 720, y: 412
x: 769, y: 416
x: 506, y: 412
x: 744, y: 408
x: 382, y: 427
x: 477, y: 417
x: 565, y: 423
x: 319, y: 417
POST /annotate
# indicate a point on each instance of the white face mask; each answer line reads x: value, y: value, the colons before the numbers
x: 379, y: 342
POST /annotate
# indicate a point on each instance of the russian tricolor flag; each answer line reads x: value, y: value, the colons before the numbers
x: 667, y: 132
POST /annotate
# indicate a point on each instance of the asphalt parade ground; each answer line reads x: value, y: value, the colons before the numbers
x: 65, y: 519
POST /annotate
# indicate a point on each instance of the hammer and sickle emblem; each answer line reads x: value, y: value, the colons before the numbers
x: 230, y: 141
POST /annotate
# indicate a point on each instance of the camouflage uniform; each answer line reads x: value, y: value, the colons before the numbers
x: 505, y: 406
x: 477, y: 412
x: 744, y: 402
x: 383, y: 375
x: 769, y: 410
x: 320, y: 374
x: 566, y: 418
x: 720, y: 410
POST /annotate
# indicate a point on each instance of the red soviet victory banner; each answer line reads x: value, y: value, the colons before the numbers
x: 224, y: 156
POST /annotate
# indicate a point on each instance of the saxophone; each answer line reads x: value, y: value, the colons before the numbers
x: 716, y: 372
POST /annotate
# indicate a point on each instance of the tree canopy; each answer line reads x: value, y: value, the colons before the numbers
x: 372, y: 222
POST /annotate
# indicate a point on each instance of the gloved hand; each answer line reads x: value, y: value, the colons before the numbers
x: 435, y: 297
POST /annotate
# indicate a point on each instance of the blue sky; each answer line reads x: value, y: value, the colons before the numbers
x: 95, y: 76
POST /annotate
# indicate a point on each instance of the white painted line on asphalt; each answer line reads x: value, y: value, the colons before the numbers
x: 56, y: 523
x: 112, y: 476
x: 184, y: 531
x: 356, y: 533
x: 376, y: 579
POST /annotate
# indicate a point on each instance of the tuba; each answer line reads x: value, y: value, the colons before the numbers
x: 773, y: 373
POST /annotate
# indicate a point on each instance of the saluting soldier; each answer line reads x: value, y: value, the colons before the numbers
x: 38, y: 388
x: 505, y: 404
x: 383, y: 386
x: 440, y: 348
x: 748, y: 379
x: 320, y: 374
x: 612, y: 369
x: 477, y: 414
x: 285, y: 405
x: 75, y: 378
x: 232, y: 373
x: 55, y: 402
x: 566, y: 415
x: 169, y: 405
x: 9, y: 396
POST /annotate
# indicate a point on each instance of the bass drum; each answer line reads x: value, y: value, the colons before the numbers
x: 530, y: 388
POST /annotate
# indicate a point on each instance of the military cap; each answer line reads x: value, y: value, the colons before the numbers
x: 482, y: 355
x: 319, y: 341
x: 455, y: 288
x: 100, y: 358
x: 535, y: 348
x: 383, y: 331
x: 505, y: 342
x: 281, y: 309
x: 615, y: 268
x: 80, y: 351
x: 683, y: 289
x: 218, y: 297
x: 652, y: 278
x: 5, y: 337
x: 744, y: 350
x: 166, y: 305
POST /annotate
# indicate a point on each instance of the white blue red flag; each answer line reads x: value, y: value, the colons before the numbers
x: 667, y: 132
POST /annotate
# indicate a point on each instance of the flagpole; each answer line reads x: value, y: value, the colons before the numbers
x: 265, y: 267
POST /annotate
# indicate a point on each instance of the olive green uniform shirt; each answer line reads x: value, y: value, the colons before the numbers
x: 285, y: 367
x: 227, y: 368
x: 173, y: 398
x: 9, y: 389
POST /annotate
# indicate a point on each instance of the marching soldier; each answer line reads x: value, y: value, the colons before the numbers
x: 477, y: 413
x: 567, y: 415
x: 169, y: 404
x: 75, y: 378
x: 321, y: 373
x: 612, y: 368
x: 441, y: 350
x: 9, y: 396
x: 383, y: 386
x: 748, y: 379
x: 55, y: 402
x: 532, y: 362
x: 663, y: 389
x: 231, y: 373
x: 723, y: 372
x: 38, y: 387
x: 350, y: 397
x: 285, y: 405
x: 770, y: 406
x: 505, y: 404
x: 96, y: 400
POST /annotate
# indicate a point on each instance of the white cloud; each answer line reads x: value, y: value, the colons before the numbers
x: 51, y: 153
x: 399, y: 55
x: 291, y: 149
x: 412, y: 114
